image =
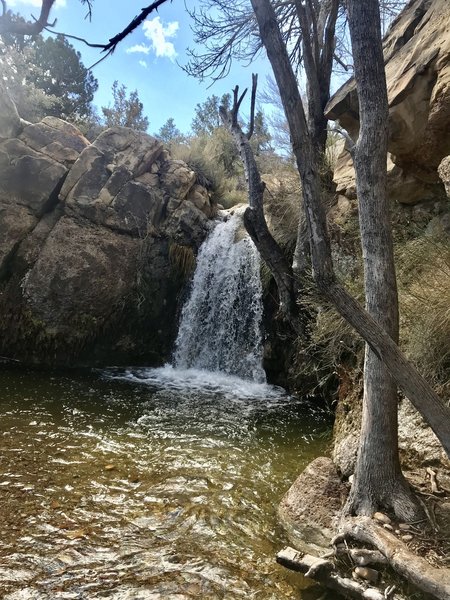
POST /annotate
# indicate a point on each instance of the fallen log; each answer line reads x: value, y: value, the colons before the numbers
x: 323, y: 571
x: 409, y: 565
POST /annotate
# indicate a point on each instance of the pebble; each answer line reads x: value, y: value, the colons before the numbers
x: 109, y: 467
x: 407, y: 538
x: 404, y: 526
x: 381, y: 518
x: 367, y: 574
x: 388, y: 527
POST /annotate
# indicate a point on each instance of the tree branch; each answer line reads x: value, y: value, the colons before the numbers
x: 114, y: 41
x: 420, y: 393
x: 8, y: 26
x: 254, y: 219
x: 237, y: 101
x: 324, y: 572
x: 409, y: 565
x: 252, y: 106
x: 26, y: 28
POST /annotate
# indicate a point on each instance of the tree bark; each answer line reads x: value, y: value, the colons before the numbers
x: 24, y: 27
x: 412, y: 567
x: 423, y: 397
x: 379, y: 482
x: 254, y: 219
x: 323, y: 571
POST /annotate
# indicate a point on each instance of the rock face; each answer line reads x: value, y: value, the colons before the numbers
x: 89, y: 235
x: 417, y: 53
x: 312, y: 505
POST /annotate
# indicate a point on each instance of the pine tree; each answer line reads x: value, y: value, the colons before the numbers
x: 125, y: 111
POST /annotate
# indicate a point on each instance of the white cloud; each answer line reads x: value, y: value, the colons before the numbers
x: 36, y: 3
x: 138, y: 48
x: 143, y: 63
x: 158, y: 34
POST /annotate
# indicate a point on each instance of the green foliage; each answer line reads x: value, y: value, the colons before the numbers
x: 46, y: 77
x: 18, y: 70
x: 61, y: 73
x: 126, y: 111
x: 207, y: 118
x: 170, y: 134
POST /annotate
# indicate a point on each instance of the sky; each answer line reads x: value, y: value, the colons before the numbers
x: 148, y: 59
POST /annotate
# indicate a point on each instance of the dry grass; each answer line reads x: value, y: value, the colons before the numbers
x: 182, y: 259
x: 282, y: 207
x: 424, y: 283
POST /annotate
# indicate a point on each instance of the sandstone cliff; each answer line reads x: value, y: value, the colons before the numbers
x: 417, y: 54
x: 93, y: 239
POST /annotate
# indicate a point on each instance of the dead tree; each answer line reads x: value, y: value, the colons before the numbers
x: 254, y: 219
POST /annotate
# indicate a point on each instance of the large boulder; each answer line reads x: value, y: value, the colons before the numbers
x: 33, y: 168
x: 311, y: 507
x: 417, y: 55
x: 87, y: 239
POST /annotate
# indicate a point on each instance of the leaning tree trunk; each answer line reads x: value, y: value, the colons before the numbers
x: 414, y: 386
x: 379, y: 482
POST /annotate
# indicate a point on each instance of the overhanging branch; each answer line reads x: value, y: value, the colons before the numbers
x: 28, y: 28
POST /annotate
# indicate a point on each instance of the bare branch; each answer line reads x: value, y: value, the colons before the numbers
x: 254, y: 219
x: 413, y: 567
x: 324, y: 571
x: 6, y: 25
x: 74, y: 37
x: 236, y: 105
x: 114, y: 41
x: 252, y: 106
x: 23, y: 27
x: 340, y: 62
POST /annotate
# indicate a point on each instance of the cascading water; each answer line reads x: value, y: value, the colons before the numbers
x: 220, y: 328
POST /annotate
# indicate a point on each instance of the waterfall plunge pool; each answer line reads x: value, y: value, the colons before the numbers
x: 146, y: 484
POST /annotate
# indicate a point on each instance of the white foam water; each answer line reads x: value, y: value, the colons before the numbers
x: 220, y: 329
x: 200, y: 382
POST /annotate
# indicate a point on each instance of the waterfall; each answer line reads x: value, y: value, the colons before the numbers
x: 220, y: 327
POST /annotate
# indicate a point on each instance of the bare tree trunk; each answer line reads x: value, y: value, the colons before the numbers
x: 318, y: 49
x: 254, y: 219
x: 379, y: 482
x: 423, y: 397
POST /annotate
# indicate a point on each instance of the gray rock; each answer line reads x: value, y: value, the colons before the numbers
x: 312, y: 505
x: 28, y: 178
x: 85, y: 250
x: 55, y: 138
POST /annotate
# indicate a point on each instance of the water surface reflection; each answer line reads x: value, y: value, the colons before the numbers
x: 146, y: 484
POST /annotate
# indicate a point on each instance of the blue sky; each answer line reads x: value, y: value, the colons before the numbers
x: 147, y: 59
